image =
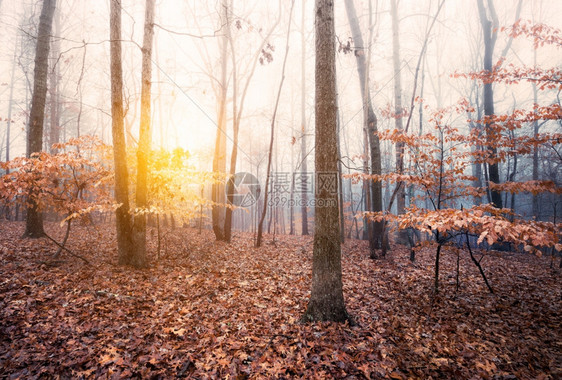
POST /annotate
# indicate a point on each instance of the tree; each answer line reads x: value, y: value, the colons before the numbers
x: 219, y: 157
x: 238, y: 105
x: 399, y: 144
x: 10, y: 103
x: 490, y: 32
x: 55, y: 129
x: 398, y: 112
x: 304, y: 213
x: 34, y: 221
x: 272, y: 134
x: 73, y: 182
x: 145, y: 133
x: 123, y: 217
x: 373, y: 191
x: 326, y: 301
x: 441, y: 161
x: 536, y: 208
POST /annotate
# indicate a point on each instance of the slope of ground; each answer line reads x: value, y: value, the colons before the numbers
x: 205, y: 309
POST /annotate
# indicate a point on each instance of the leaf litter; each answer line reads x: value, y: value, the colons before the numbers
x: 207, y: 309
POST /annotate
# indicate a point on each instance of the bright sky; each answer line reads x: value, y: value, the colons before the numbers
x: 185, y: 67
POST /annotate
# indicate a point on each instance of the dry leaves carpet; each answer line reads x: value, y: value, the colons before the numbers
x: 206, y: 309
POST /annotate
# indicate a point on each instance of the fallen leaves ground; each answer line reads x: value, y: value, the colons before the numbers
x: 210, y: 310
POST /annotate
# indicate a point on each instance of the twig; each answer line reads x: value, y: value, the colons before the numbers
x: 188, y: 34
x: 477, y: 263
x: 66, y: 249
x: 67, y: 233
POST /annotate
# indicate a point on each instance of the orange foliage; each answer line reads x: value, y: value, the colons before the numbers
x: 440, y: 163
x: 74, y: 181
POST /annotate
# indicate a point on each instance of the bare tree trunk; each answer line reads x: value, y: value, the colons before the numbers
x: 304, y: 195
x: 123, y: 218
x: 489, y: 30
x: 536, y: 209
x: 476, y: 164
x: 326, y: 299
x: 34, y: 219
x: 402, y: 237
x: 219, y: 157
x: 375, y: 229
x: 145, y: 134
x: 79, y: 94
x: 11, y: 99
x: 265, y: 197
x: 512, y: 179
x: 237, y: 109
x: 235, y: 129
x: 292, y: 196
x: 366, y: 196
x: 340, y: 180
x: 54, y: 132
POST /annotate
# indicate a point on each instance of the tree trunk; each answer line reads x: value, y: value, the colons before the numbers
x: 402, y: 237
x: 304, y: 195
x: 145, y: 133
x: 219, y: 157
x: 235, y: 129
x: 477, y: 171
x: 292, y: 196
x: 11, y: 99
x: 477, y: 168
x: 536, y: 208
x: 34, y: 219
x: 340, y: 176
x: 222, y: 216
x: 237, y: 110
x: 265, y: 195
x: 489, y: 30
x: 375, y: 229
x: 326, y: 299
x: 122, y: 216
x: 54, y: 132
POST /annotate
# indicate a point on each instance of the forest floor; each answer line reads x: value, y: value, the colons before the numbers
x: 206, y: 309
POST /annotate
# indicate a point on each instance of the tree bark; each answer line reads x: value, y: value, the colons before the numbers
x: 489, y: 30
x: 54, y: 132
x: 34, y: 219
x: 402, y: 237
x: 476, y: 164
x: 536, y: 207
x: 10, y: 101
x: 219, y: 157
x: 145, y: 133
x: 235, y: 130
x: 123, y: 218
x: 9, y: 122
x: 340, y: 177
x: 375, y: 229
x: 326, y: 300
x: 304, y: 195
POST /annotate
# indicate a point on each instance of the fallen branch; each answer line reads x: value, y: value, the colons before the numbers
x: 62, y: 247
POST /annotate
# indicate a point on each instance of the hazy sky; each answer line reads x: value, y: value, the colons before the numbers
x: 184, y: 101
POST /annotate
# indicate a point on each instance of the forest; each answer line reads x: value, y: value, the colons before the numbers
x: 350, y: 189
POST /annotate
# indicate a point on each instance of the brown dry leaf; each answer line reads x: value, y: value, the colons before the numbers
x: 215, y: 314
